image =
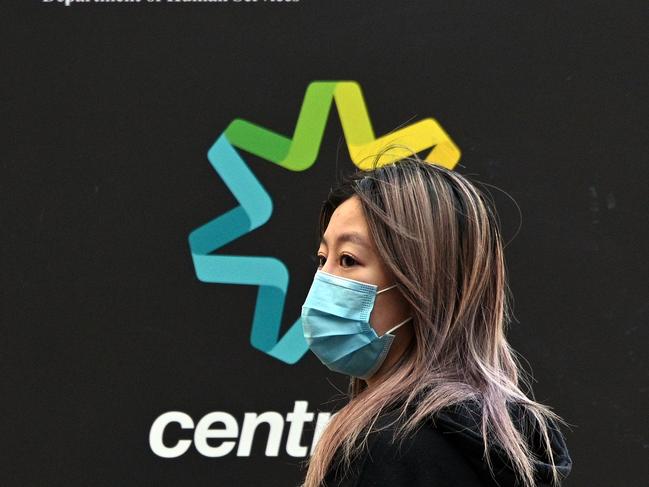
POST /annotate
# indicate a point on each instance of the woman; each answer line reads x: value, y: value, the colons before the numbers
x: 410, y: 301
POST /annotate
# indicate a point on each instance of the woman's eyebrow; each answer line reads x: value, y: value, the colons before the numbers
x: 353, y: 237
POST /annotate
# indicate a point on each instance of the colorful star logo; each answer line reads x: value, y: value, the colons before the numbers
x: 256, y: 206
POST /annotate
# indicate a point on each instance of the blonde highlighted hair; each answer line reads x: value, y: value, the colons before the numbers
x: 440, y: 236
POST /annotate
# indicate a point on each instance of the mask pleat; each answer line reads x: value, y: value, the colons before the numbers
x: 339, y: 301
x: 360, y: 360
x: 320, y: 324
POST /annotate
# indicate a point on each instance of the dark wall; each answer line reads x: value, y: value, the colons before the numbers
x: 109, y: 111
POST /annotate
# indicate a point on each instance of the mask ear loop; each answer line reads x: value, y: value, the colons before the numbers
x: 397, y: 326
x: 387, y: 288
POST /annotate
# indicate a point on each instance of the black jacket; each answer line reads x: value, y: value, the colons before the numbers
x: 445, y: 452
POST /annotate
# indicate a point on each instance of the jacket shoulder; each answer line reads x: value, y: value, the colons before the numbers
x: 424, y: 457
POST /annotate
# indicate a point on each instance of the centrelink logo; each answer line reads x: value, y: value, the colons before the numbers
x: 256, y: 206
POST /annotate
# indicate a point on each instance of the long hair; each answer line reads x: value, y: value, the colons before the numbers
x: 439, y: 235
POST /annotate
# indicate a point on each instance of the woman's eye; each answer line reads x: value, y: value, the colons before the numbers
x: 345, y: 260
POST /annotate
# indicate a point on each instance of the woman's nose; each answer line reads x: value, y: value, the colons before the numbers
x: 329, y: 268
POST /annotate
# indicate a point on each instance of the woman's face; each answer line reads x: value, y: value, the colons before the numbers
x: 346, y: 250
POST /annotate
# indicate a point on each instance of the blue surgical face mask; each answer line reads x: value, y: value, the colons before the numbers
x: 335, y: 322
